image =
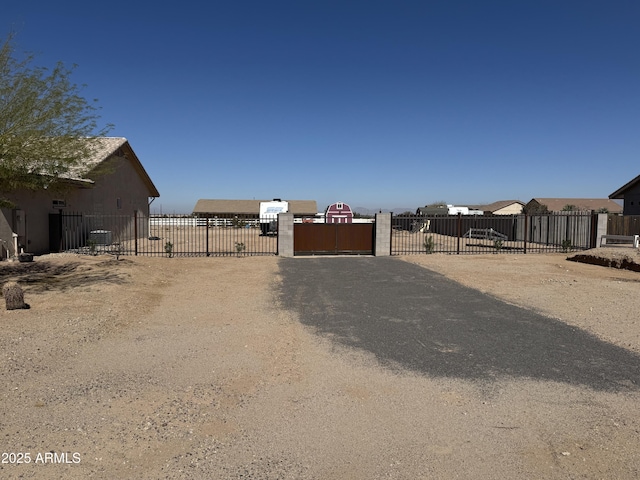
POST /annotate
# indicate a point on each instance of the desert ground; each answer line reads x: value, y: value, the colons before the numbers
x: 154, y: 368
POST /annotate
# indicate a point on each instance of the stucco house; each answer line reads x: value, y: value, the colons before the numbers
x: 111, y: 182
x: 630, y: 195
x: 577, y: 204
x: 503, y: 207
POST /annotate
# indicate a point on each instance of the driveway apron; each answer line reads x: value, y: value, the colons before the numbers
x: 412, y: 318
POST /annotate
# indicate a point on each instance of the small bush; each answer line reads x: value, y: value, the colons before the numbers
x: 566, y: 245
x: 92, y: 246
x: 497, y: 244
x: 168, y: 249
x: 429, y: 244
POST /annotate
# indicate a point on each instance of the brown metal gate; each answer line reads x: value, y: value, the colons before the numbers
x: 333, y: 239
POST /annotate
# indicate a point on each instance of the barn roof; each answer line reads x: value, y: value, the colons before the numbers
x: 585, y: 204
x: 250, y: 207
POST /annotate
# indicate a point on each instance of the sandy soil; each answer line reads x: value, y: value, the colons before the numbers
x: 188, y: 368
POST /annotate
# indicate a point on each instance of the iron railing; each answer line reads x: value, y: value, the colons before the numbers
x: 170, y: 236
x: 466, y: 234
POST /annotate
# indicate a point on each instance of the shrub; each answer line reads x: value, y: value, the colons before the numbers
x: 429, y: 244
x: 92, y: 246
x: 168, y: 249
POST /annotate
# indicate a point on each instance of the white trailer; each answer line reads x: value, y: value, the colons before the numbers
x: 269, y: 215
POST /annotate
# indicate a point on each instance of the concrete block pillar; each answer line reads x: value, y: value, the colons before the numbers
x: 285, y: 234
x: 382, y: 235
x: 601, y: 228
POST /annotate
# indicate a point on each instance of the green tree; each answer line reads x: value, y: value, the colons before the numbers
x: 45, y: 123
x: 535, y: 209
x: 569, y: 208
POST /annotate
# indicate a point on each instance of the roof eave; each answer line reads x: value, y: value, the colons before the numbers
x: 619, y: 194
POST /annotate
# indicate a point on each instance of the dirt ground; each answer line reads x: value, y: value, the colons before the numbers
x: 189, y: 368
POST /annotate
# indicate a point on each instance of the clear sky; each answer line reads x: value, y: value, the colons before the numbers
x: 379, y: 104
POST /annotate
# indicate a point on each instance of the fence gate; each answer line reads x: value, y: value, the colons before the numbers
x: 333, y: 238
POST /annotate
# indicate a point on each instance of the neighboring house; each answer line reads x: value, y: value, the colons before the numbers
x: 503, y: 207
x: 338, y: 212
x: 427, y: 210
x: 577, y: 204
x: 630, y: 195
x: 111, y: 182
x: 251, y: 208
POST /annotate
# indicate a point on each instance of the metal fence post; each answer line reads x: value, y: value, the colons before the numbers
x: 207, y: 235
x: 459, y: 232
x: 526, y: 226
x: 135, y: 231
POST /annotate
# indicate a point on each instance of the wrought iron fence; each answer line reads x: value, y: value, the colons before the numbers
x: 170, y: 236
x: 465, y: 234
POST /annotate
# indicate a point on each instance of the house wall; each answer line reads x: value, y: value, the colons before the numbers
x: 513, y: 209
x: 119, y: 180
x: 30, y: 220
x: 6, y: 232
x: 632, y: 201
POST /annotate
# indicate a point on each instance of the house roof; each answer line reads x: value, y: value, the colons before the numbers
x: 492, y: 207
x: 619, y: 194
x: 103, y: 148
x: 250, y: 207
x: 585, y: 204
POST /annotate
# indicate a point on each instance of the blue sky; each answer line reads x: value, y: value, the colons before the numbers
x: 379, y: 104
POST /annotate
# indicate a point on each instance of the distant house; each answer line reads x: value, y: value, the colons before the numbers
x: 630, y: 195
x: 111, y: 182
x: 427, y: 210
x: 573, y: 204
x: 503, y: 207
x: 230, y: 208
x: 339, y: 212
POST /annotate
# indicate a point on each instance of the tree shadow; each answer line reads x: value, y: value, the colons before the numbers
x: 40, y: 276
x: 414, y: 318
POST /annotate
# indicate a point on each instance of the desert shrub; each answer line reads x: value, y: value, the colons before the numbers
x: 566, y: 245
x: 168, y: 249
x: 429, y: 244
x: 92, y: 246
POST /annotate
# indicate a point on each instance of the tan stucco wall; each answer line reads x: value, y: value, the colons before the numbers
x: 6, y: 232
x: 119, y: 180
x: 513, y: 209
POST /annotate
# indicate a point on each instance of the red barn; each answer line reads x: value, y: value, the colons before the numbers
x: 339, y: 212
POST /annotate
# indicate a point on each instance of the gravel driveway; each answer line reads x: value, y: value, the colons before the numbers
x: 413, y: 318
x: 320, y: 368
